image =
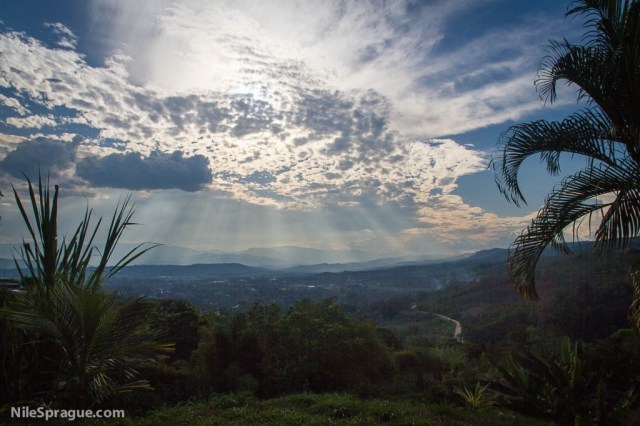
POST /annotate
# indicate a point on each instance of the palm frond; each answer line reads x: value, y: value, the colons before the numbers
x: 576, y: 198
x: 120, y: 220
x: 621, y: 221
x: 606, y: 69
x: 609, y: 22
x: 634, y: 309
x: 78, y: 251
x: 584, y: 133
x: 606, y: 72
x: 601, y: 77
x: 40, y: 257
x: 44, y: 258
x: 98, y: 337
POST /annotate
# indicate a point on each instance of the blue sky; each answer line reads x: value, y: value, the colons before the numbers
x: 345, y: 125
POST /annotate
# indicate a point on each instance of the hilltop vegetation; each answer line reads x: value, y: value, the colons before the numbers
x: 386, y: 353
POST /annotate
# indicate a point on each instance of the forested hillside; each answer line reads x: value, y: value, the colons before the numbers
x: 399, y: 350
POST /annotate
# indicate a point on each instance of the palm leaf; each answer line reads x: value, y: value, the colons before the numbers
x: 44, y: 259
x: 98, y: 337
x: 120, y: 220
x: 605, y: 69
x: 585, y: 133
x: 576, y: 198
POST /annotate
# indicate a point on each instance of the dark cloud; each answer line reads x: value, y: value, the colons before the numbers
x: 332, y: 176
x: 158, y: 171
x: 324, y: 112
x: 300, y: 141
x: 181, y: 110
x: 345, y: 165
x: 361, y: 123
x: 211, y: 115
x: 39, y: 155
x: 260, y: 177
x: 251, y: 116
x: 117, y: 121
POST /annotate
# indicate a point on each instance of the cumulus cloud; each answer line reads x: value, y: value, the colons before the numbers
x: 157, y: 171
x: 449, y: 220
x: 44, y: 155
x: 346, y: 134
x: 296, y: 149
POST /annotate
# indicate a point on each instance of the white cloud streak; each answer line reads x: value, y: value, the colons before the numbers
x: 32, y: 121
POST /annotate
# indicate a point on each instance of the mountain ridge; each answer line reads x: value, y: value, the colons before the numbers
x: 232, y: 265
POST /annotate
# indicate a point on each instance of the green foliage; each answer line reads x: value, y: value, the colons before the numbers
x: 172, y: 384
x: 477, y: 398
x: 47, y: 261
x: 338, y: 406
x: 180, y: 323
x: 567, y: 389
x: 66, y: 339
x: 323, y: 409
x: 421, y: 370
x: 91, y: 339
x: 634, y: 310
x: 312, y: 347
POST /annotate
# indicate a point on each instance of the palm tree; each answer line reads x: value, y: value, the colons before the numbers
x: 66, y: 338
x: 606, y: 192
x: 88, y: 343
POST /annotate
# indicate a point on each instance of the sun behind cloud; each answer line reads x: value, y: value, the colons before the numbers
x: 296, y: 106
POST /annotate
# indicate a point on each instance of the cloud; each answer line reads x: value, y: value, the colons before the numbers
x: 157, y: 171
x: 32, y: 121
x: 398, y: 48
x: 297, y: 105
x: 449, y: 220
x: 325, y: 141
x: 14, y: 104
x: 40, y: 155
x: 67, y: 39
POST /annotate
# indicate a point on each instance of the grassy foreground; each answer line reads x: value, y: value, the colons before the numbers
x: 325, y: 409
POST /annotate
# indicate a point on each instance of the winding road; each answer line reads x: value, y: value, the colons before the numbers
x: 457, y: 334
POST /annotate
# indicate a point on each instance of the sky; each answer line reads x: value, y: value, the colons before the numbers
x: 343, y: 125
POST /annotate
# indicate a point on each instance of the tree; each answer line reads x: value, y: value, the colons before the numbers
x: 606, y: 192
x: 180, y: 322
x: 66, y: 338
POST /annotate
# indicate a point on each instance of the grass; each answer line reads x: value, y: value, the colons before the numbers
x: 325, y: 409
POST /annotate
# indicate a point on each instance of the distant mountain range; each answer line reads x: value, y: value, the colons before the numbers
x: 172, y: 261
x: 273, y: 258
